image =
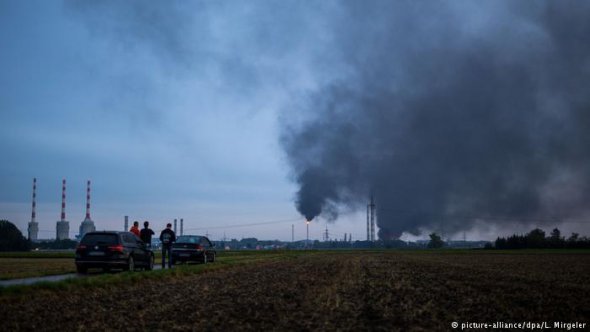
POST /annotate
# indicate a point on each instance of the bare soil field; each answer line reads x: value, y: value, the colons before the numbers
x: 323, y: 291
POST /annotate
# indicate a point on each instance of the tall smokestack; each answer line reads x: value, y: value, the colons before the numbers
x: 34, y: 199
x: 33, y: 225
x: 174, y: 226
x: 87, y: 225
x: 62, y: 227
x: 181, y: 226
x: 87, y: 201
x: 63, y: 200
x: 126, y: 223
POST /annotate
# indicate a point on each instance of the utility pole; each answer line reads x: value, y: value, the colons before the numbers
x: 371, y: 208
x: 292, y: 232
x: 368, y: 224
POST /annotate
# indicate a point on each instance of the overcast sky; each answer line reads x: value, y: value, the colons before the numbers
x: 170, y: 109
x: 176, y: 109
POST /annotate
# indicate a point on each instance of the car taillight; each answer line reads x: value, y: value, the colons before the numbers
x: 80, y: 247
x: 118, y: 248
x: 199, y: 247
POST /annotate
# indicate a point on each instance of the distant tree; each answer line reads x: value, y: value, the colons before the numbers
x: 435, y: 241
x: 11, y: 238
x: 555, y: 234
x: 501, y: 243
x: 555, y: 239
x: 536, y: 239
x: 516, y: 242
x: 573, y: 237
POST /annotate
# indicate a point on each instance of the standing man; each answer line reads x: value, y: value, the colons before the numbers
x: 146, y: 234
x: 135, y: 228
x: 167, y: 237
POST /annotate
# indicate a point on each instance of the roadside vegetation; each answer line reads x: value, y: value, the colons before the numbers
x: 11, y: 238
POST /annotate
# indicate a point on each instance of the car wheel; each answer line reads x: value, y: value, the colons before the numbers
x: 130, y: 264
x: 81, y: 269
x: 212, y: 258
x: 150, y: 265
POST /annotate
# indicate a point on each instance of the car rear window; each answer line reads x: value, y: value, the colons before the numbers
x: 93, y: 239
x: 188, y: 239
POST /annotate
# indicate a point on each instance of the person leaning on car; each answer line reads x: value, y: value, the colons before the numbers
x: 167, y: 237
x: 146, y: 234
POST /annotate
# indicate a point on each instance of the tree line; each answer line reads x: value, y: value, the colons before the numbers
x: 536, y: 239
x: 11, y: 239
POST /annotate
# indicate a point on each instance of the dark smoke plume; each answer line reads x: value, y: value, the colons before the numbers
x: 452, y: 112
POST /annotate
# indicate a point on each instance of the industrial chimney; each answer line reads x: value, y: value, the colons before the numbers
x: 63, y: 227
x: 126, y: 224
x: 87, y: 225
x: 174, y: 226
x: 33, y: 225
x: 181, y: 226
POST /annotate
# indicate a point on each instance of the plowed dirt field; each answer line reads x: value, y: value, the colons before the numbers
x: 386, y: 291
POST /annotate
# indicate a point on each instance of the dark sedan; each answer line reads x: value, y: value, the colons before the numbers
x: 193, y: 248
x: 110, y: 249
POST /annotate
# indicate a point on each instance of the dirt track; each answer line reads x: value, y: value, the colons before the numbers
x: 389, y: 291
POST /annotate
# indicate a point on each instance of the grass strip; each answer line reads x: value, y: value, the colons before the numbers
x: 113, y: 279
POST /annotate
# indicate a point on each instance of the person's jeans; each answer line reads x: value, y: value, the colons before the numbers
x: 167, y: 251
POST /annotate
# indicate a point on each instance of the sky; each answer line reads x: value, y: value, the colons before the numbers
x: 214, y: 111
x: 170, y: 109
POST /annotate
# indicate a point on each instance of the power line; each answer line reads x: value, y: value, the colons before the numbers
x: 245, y: 225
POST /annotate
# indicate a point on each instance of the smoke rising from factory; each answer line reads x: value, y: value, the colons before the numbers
x: 450, y: 112
x: 446, y: 112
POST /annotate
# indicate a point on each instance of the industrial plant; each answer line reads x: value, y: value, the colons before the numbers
x: 62, y: 227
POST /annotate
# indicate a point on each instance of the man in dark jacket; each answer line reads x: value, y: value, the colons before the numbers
x: 167, y: 237
x: 146, y: 234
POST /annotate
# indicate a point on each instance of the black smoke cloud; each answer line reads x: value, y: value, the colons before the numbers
x: 452, y: 112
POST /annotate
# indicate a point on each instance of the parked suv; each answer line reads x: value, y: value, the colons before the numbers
x: 194, y: 248
x: 106, y: 250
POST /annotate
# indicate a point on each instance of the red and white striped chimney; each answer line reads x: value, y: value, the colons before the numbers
x: 88, y: 200
x: 34, y: 199
x: 63, y: 200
